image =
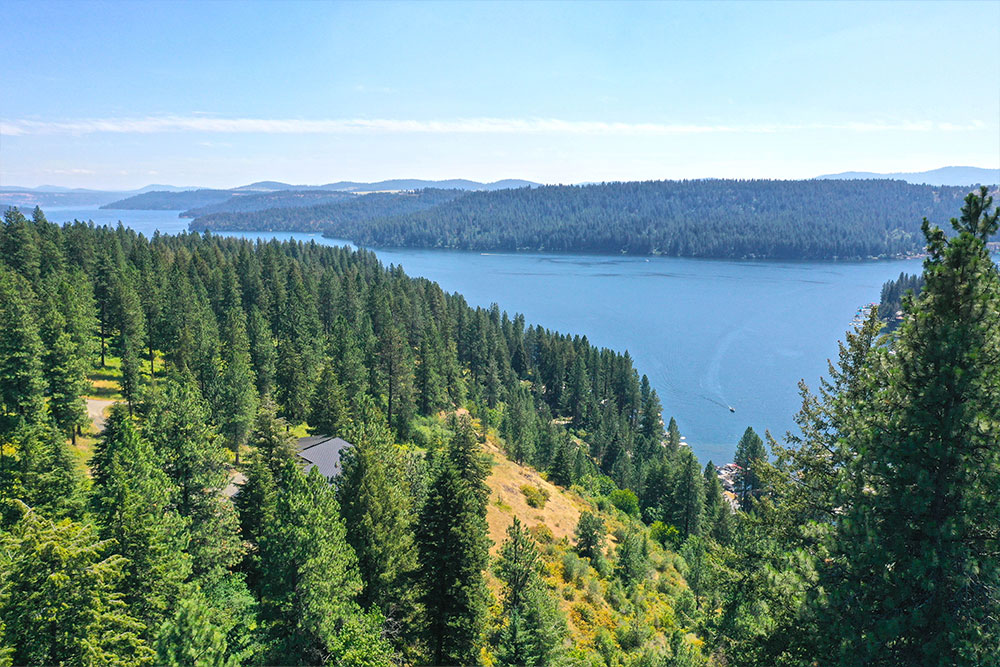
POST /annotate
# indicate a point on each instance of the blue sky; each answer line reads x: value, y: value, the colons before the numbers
x: 118, y: 95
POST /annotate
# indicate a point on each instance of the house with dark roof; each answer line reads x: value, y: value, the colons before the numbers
x: 322, y: 452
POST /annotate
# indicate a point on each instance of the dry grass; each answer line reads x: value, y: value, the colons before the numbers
x: 560, y: 513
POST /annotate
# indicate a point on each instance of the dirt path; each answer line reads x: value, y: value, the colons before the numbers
x: 96, y: 407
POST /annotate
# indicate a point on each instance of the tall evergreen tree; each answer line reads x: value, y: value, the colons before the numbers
x: 750, y: 452
x: 688, y: 495
x: 467, y: 456
x: 308, y: 573
x: 190, y: 639
x: 917, y: 577
x: 48, y: 478
x: 64, y: 363
x: 590, y: 535
x: 328, y: 410
x: 192, y: 456
x: 22, y: 385
x: 452, y: 542
x: 718, y: 518
x: 377, y: 514
x: 129, y: 324
x: 519, y: 426
x: 132, y: 498
x: 531, y: 627
x: 237, y: 395
x: 58, y: 596
x: 396, y: 364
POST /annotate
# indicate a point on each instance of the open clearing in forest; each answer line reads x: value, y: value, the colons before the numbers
x: 560, y: 513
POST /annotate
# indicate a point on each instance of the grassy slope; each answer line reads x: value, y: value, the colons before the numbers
x: 597, y: 607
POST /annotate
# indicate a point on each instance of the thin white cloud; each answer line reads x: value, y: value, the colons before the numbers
x: 71, y: 172
x: 208, y: 124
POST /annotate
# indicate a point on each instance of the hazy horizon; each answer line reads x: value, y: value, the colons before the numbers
x: 213, y: 94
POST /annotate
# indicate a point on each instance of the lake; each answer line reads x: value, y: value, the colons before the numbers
x: 709, y: 334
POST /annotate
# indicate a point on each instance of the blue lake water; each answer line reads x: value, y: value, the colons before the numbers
x: 709, y: 334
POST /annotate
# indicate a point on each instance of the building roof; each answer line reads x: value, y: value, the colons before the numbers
x: 323, y: 453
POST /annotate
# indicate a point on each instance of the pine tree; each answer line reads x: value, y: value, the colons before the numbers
x: 656, y: 501
x: 22, y: 385
x: 237, y: 395
x: 590, y: 533
x: 262, y: 350
x: 749, y: 453
x: 430, y: 379
x: 718, y: 516
x: 132, y: 498
x: 58, y: 596
x: 348, y: 359
x: 518, y: 426
x: 20, y: 246
x: 270, y: 436
x: 308, y: 571
x: 531, y: 627
x: 21, y: 381
x: 129, y: 324
x: 64, y: 363
x: 192, y: 456
x: 632, y: 554
x: 467, y: 456
x: 673, y: 437
x: 561, y: 467
x: 396, y: 364
x: 328, y: 410
x: 917, y: 578
x: 190, y: 639
x: 298, y: 328
x: 688, y: 495
x: 378, y: 517
x: 452, y: 542
x: 49, y: 479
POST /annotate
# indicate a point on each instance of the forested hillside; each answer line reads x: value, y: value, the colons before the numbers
x: 708, y: 218
x: 511, y: 496
x: 160, y: 200
x: 351, y: 212
x: 219, y: 347
x: 242, y: 202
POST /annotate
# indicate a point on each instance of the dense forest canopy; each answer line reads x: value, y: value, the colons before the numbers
x: 160, y: 200
x: 191, y: 533
x: 259, y: 201
x: 817, y: 219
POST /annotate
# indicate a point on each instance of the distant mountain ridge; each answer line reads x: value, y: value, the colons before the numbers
x: 392, y: 185
x: 171, y: 197
x: 943, y: 176
x: 275, y: 194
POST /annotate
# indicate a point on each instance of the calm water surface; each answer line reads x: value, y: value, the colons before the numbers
x: 709, y: 334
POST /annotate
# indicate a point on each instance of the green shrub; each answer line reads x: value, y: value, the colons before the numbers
x: 535, y: 496
x: 666, y: 535
x: 542, y: 533
x: 626, y: 501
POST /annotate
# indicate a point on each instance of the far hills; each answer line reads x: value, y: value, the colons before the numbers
x: 273, y: 194
x: 942, y: 176
x: 171, y: 197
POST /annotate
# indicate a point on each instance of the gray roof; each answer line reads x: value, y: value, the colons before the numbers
x: 323, y: 453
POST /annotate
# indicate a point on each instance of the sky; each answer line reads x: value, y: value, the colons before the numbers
x: 117, y: 95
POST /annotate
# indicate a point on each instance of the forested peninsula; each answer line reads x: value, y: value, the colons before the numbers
x: 504, y: 494
x: 764, y: 219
